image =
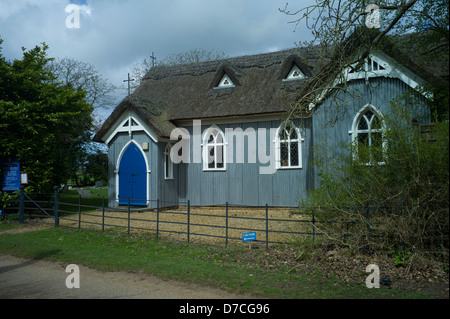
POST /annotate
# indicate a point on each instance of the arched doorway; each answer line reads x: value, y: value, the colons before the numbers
x: 132, y: 177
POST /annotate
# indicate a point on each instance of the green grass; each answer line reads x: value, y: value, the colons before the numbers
x: 69, y: 200
x: 202, y: 264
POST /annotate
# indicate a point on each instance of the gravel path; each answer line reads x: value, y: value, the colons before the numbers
x: 37, y: 279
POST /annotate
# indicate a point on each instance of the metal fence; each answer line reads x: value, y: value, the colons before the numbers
x: 224, y: 223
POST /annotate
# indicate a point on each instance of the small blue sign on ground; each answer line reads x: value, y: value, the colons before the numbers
x: 10, y: 167
x: 249, y: 236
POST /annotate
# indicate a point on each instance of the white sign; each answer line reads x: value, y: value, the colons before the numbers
x: 23, y: 178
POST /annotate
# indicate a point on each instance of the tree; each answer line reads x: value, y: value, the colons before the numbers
x: 343, y: 35
x: 93, y: 167
x: 45, y: 123
x: 193, y: 56
x: 409, y: 188
x: 83, y: 76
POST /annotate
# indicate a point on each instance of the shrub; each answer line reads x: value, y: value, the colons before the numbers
x: 409, y: 190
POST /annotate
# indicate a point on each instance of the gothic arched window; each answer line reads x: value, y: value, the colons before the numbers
x: 289, y: 150
x: 367, y: 136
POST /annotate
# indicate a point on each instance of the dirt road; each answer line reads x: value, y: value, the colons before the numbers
x: 37, y: 279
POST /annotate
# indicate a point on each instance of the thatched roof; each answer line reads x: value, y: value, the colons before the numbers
x: 189, y: 90
x: 184, y: 92
x: 169, y: 94
x: 151, y: 111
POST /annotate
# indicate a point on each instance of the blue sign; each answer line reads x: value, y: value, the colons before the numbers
x: 249, y: 236
x: 10, y: 174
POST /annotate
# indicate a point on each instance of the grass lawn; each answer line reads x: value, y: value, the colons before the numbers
x: 69, y: 200
x: 234, y: 269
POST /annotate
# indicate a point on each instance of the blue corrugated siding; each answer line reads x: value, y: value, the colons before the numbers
x: 379, y: 93
x: 242, y: 183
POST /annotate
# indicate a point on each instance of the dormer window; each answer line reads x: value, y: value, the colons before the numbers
x: 294, y: 74
x: 225, y: 82
x: 226, y: 76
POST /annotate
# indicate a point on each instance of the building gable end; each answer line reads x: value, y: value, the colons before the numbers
x: 129, y: 122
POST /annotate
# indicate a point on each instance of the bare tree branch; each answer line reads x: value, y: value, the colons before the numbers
x: 342, y: 38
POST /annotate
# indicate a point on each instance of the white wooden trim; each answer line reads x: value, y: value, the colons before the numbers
x: 277, y: 142
x: 354, y: 129
x: 392, y: 69
x: 206, y: 134
x: 118, y: 127
x: 225, y: 82
x: 291, y: 77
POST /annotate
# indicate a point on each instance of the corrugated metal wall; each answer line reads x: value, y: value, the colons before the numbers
x: 242, y: 183
x: 379, y: 92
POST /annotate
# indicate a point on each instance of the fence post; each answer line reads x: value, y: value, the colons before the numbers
x: 55, y: 207
x: 226, y: 224
x: 21, y: 204
x: 157, y: 218
x: 188, y: 218
x: 267, y: 226
x: 79, y: 211
x: 103, y: 213
x: 129, y: 216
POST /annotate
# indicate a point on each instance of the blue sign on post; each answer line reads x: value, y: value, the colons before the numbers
x: 10, y: 174
x: 249, y: 236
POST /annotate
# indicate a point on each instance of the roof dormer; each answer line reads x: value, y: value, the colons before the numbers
x: 294, y: 69
x: 226, y: 77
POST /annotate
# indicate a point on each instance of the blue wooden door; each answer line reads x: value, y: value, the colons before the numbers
x: 132, y: 177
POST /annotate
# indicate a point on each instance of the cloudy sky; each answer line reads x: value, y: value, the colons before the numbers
x: 115, y: 34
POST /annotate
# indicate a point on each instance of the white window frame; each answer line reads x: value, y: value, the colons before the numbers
x: 168, y: 164
x: 225, y: 82
x: 278, y: 141
x: 373, y: 66
x: 355, y: 131
x: 292, y: 74
x: 215, y: 144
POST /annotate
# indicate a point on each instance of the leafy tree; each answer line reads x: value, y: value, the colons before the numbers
x: 93, y: 167
x: 45, y: 123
